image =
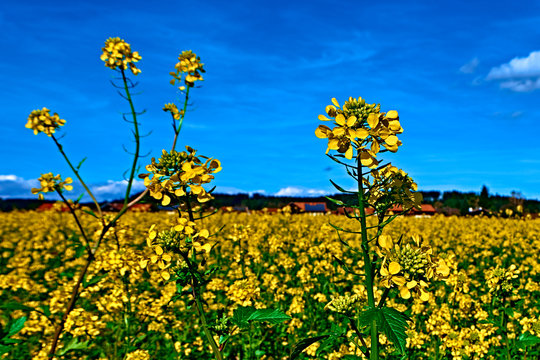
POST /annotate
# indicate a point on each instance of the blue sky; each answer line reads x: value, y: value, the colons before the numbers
x: 464, y: 76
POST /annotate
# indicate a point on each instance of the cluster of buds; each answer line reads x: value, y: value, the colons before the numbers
x: 117, y: 54
x: 180, y: 174
x: 43, y: 121
x: 190, y: 65
x: 344, y: 304
x: 170, y: 247
x: 391, y: 185
x: 51, y: 183
x: 173, y: 109
x: 502, y: 281
x: 360, y: 126
x: 410, y: 267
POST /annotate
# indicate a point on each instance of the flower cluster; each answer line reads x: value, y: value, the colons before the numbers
x: 170, y: 246
x: 43, y: 121
x: 173, y: 109
x: 190, y: 65
x: 344, y: 304
x: 502, y: 281
x: 359, y: 125
x: 117, y: 54
x: 180, y: 174
x: 390, y: 185
x: 50, y: 183
x: 409, y: 267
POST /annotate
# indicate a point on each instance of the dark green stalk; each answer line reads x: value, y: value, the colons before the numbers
x: 72, y: 211
x: 359, y: 334
x: 137, y: 139
x: 76, y: 172
x: 177, y: 129
x: 374, y: 355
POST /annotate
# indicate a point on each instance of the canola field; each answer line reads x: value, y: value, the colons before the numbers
x: 295, y: 263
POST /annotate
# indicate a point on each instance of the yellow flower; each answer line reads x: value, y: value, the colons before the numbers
x: 359, y: 125
x: 409, y: 267
x: 176, y: 114
x: 190, y: 65
x: 177, y: 174
x: 42, y: 121
x: 344, y: 304
x: 50, y: 183
x: 503, y: 281
x: 117, y: 54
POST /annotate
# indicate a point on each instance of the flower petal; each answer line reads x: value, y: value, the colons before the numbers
x: 394, y: 268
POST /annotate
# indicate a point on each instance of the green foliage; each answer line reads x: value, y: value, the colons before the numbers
x: 6, y: 342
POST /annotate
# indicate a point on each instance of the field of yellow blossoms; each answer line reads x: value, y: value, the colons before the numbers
x: 295, y: 263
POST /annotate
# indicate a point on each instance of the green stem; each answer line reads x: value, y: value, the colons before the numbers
x: 81, y: 229
x: 374, y: 355
x: 504, y: 322
x: 359, y: 334
x: 177, y: 129
x: 76, y: 172
x: 137, y: 139
x: 200, y: 311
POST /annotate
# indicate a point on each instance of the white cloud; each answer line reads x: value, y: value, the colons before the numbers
x: 470, y: 67
x: 8, y: 178
x: 521, y: 85
x: 517, y: 67
x: 12, y: 186
x: 297, y: 191
x: 520, y: 74
x: 115, y: 189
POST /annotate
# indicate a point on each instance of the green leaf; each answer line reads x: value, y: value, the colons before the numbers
x: 16, y: 306
x: 337, y: 202
x: 16, y: 326
x: 223, y: 338
x: 79, y: 198
x: 339, y: 188
x: 528, y: 339
x: 509, y: 311
x: 259, y: 353
x: 393, y: 324
x: 90, y: 212
x: 304, y: 344
x: 367, y: 316
x: 241, y: 316
x: 80, y: 163
x: 74, y: 344
x: 353, y: 357
x: 273, y: 316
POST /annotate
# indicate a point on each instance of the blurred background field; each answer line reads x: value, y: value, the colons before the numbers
x: 292, y: 262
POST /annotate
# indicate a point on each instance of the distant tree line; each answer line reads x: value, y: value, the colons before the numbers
x: 447, y: 202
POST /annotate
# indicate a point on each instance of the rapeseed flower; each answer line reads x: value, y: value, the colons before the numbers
x: 51, y: 183
x: 173, y: 109
x: 43, y: 121
x: 359, y: 125
x: 176, y: 174
x: 410, y: 267
x: 189, y: 65
x: 117, y: 54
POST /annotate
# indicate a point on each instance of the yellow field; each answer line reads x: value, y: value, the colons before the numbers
x: 280, y: 261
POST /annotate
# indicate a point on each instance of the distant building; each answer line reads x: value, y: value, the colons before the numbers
x: 425, y: 210
x: 309, y: 207
x: 53, y: 207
